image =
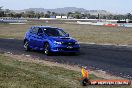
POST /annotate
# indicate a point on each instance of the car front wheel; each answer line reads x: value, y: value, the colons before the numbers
x: 47, y: 49
x: 26, y: 46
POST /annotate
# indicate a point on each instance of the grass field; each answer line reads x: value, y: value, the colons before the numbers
x: 21, y: 74
x: 83, y: 33
x: 18, y: 74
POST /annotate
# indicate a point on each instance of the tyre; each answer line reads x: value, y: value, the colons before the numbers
x: 26, y: 46
x: 47, y: 49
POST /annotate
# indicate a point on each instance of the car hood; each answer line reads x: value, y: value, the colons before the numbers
x: 63, y: 39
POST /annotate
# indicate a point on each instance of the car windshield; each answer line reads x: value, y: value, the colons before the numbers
x: 54, y: 32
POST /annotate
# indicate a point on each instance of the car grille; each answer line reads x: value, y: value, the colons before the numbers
x: 68, y: 43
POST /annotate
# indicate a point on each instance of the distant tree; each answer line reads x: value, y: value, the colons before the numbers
x: 7, y: 12
x: 103, y: 17
x: 30, y: 14
x: 69, y: 14
x: 37, y: 15
x: 0, y: 8
x: 53, y: 13
x: 88, y: 15
x: 12, y: 14
x: 62, y: 14
x: 93, y: 17
x: 17, y: 15
x: 41, y: 14
x: 23, y: 14
x: 1, y: 12
x: 110, y: 16
x: 119, y: 17
x: 77, y: 15
x: 48, y: 12
x: 47, y: 16
x: 129, y: 16
x: 82, y: 16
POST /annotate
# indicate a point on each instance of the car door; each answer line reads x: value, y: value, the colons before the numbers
x: 33, y: 37
x: 40, y: 39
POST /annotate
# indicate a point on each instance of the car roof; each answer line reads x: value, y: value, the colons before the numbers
x: 43, y: 27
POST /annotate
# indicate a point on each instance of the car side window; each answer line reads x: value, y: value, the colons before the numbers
x: 35, y: 30
x: 31, y: 30
x: 40, y: 31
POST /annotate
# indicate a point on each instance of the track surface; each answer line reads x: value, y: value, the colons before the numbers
x: 112, y: 59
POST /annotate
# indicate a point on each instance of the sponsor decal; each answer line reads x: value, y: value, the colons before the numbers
x: 110, y: 82
x: 86, y: 81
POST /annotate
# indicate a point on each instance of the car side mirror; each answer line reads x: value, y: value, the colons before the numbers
x: 67, y: 35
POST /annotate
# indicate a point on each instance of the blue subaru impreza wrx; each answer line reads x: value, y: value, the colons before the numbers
x: 49, y: 40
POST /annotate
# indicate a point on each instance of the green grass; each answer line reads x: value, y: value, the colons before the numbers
x: 83, y: 33
x: 20, y: 74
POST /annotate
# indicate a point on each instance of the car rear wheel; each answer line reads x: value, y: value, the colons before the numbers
x: 26, y: 46
x: 47, y: 49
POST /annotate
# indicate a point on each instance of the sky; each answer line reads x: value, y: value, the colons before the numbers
x: 114, y: 6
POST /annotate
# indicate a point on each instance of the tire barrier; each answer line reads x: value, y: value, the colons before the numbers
x: 98, y: 24
x: 127, y: 25
x: 111, y: 25
x: 107, y: 24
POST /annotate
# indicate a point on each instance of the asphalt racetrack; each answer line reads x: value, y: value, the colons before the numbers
x: 116, y: 60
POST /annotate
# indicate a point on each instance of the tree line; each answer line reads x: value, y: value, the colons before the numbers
x: 70, y: 15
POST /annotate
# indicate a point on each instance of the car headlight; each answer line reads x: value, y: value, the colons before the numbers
x: 58, y: 43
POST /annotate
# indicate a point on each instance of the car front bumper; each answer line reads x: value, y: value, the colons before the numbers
x: 68, y: 49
